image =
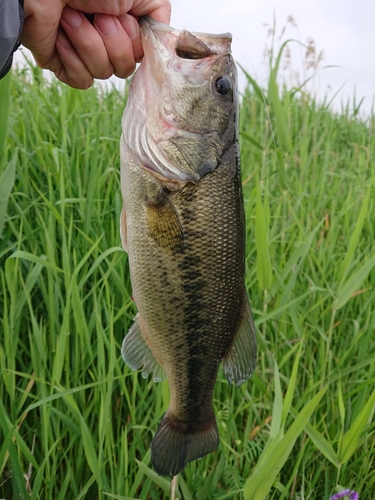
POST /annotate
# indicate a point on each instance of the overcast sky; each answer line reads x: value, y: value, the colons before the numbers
x: 344, y: 29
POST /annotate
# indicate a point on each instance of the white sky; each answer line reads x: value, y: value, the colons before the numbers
x: 344, y: 29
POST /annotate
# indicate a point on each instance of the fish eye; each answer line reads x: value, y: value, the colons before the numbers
x: 223, y: 85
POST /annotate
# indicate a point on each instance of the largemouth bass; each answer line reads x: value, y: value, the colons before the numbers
x: 183, y: 227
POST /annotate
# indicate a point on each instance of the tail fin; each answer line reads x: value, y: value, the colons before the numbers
x: 173, y: 446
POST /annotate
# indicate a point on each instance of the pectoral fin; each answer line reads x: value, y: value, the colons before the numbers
x: 123, y: 230
x: 239, y: 363
x: 201, y: 153
x: 163, y: 222
x: 136, y: 352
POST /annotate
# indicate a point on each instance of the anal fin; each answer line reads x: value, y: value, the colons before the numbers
x: 239, y: 363
x: 136, y: 352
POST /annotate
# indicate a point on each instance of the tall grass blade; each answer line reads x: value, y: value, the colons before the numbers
x: 354, y: 282
x: 280, y: 110
x: 163, y: 483
x: 291, y: 387
x: 6, y: 185
x: 276, y: 430
x: 276, y: 422
x: 258, y: 91
x: 42, y: 261
x: 262, y: 479
x: 252, y: 141
x: 351, y: 438
x: 322, y: 445
x: 5, y: 85
x: 187, y: 495
x: 90, y: 452
x: 341, y: 407
x: 18, y: 480
x: 354, y: 238
x: 264, y: 267
x: 204, y: 492
x: 118, y: 497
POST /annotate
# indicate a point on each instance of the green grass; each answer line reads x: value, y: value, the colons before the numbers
x: 75, y: 422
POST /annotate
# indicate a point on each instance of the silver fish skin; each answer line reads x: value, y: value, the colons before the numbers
x: 183, y: 227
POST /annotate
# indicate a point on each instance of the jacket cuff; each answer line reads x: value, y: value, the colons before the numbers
x: 5, y: 69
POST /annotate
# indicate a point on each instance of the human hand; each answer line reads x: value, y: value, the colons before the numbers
x: 64, y: 41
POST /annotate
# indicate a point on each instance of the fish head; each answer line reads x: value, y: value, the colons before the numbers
x: 182, y: 104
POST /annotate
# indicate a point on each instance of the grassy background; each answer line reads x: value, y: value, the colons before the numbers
x: 75, y: 423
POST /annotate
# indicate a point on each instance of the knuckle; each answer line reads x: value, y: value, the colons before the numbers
x: 43, y: 65
x: 125, y: 72
x: 104, y: 75
x: 79, y: 83
x: 87, y: 45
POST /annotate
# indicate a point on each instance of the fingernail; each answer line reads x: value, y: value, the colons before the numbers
x: 72, y: 17
x: 107, y: 25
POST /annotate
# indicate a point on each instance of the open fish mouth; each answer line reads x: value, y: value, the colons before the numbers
x: 186, y: 44
x: 190, y: 52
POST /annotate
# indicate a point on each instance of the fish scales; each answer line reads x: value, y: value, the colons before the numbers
x: 184, y: 231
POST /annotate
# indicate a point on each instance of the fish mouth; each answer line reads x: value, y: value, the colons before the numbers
x: 192, y: 53
x: 186, y: 44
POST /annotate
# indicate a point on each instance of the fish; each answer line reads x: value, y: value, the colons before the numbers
x: 183, y: 227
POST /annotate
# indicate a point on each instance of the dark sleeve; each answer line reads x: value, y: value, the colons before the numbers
x: 11, y: 22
